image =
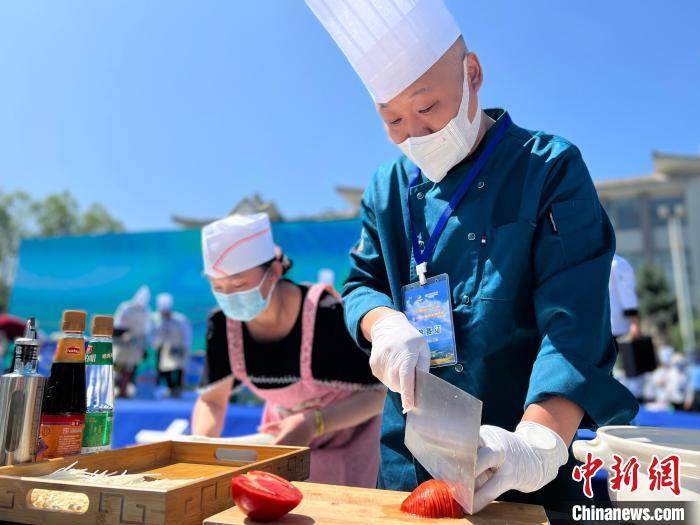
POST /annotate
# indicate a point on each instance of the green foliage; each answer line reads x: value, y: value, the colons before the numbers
x: 15, y: 212
x: 97, y: 219
x: 677, y: 339
x: 657, y: 301
x: 58, y: 214
x: 4, y: 296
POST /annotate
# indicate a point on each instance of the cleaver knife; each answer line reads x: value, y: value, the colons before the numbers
x: 442, y: 433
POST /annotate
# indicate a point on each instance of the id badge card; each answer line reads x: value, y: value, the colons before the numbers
x: 428, y: 307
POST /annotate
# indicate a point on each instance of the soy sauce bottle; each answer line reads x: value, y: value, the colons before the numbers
x: 63, y: 409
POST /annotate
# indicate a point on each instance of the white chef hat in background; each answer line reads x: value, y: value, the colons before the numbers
x: 164, y: 302
x: 237, y: 243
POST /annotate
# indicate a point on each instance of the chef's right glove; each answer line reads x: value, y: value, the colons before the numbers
x: 397, y: 350
x: 524, y: 460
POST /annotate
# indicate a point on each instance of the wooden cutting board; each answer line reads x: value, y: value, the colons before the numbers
x: 333, y: 504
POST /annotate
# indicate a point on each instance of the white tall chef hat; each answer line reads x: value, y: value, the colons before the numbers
x: 237, y: 243
x: 390, y: 43
x: 142, y: 296
x: 164, y: 302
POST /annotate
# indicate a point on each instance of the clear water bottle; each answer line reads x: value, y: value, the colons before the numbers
x: 99, y: 381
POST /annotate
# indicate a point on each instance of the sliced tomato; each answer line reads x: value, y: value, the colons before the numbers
x: 263, y: 496
x: 432, y: 499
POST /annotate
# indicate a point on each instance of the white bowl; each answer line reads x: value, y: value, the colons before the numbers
x: 643, y: 443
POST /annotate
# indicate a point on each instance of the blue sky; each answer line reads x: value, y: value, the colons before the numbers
x: 161, y: 107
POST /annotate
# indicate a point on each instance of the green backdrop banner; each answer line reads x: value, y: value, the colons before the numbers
x: 95, y: 273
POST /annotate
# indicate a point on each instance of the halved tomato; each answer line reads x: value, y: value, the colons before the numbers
x: 263, y: 496
x: 432, y: 499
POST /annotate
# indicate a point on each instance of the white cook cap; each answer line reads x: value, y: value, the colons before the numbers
x: 666, y: 354
x: 164, y: 302
x: 237, y: 243
x: 390, y: 43
x: 142, y: 296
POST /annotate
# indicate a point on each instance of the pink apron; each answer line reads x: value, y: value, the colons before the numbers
x: 346, y: 457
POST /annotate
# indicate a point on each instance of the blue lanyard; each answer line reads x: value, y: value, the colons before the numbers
x: 423, y: 256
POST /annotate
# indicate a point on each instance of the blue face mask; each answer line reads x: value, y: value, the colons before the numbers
x: 244, y: 306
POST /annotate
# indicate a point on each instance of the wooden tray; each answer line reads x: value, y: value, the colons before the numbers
x: 332, y: 504
x: 214, y: 464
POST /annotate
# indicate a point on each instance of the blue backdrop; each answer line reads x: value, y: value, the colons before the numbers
x: 95, y: 273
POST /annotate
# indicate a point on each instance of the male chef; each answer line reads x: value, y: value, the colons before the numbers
x: 504, y: 226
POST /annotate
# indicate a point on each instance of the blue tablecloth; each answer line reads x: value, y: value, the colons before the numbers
x: 132, y: 415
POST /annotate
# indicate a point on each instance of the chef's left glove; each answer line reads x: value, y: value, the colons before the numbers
x: 397, y: 350
x: 524, y: 460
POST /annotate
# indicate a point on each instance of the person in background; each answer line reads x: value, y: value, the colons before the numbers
x: 508, y: 223
x: 288, y: 344
x: 678, y: 385
x: 624, y: 304
x: 171, y: 336
x: 624, y: 315
x: 11, y: 327
x: 131, y: 329
x: 693, y: 400
x: 669, y: 382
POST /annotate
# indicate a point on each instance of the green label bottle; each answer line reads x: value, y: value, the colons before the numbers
x: 99, y: 382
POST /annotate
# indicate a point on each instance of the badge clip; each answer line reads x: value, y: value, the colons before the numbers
x: 421, y: 270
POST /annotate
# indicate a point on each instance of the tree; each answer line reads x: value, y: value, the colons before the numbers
x: 98, y: 220
x: 15, y: 213
x: 677, y: 339
x: 58, y: 214
x: 657, y: 303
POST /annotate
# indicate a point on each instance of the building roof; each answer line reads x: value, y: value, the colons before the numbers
x: 351, y: 194
x: 675, y: 165
x: 636, y: 182
x: 669, y: 176
x: 671, y: 172
x: 255, y: 204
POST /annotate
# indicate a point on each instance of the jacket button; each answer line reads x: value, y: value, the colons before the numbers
x: 459, y: 368
x: 466, y: 299
x: 419, y: 195
x: 471, y: 236
x: 480, y: 184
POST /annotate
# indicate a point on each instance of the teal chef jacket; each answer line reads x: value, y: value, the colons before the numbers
x: 528, y: 254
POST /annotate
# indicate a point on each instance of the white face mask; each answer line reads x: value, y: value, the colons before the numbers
x: 437, y: 153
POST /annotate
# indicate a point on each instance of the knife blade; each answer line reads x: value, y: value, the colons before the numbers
x: 442, y: 433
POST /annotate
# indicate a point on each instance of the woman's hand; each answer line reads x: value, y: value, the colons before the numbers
x: 297, y: 429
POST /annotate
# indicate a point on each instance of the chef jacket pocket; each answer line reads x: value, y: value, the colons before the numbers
x: 579, y: 226
x: 505, y: 260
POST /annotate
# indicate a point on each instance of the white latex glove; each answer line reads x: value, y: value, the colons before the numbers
x: 397, y: 350
x: 524, y: 460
